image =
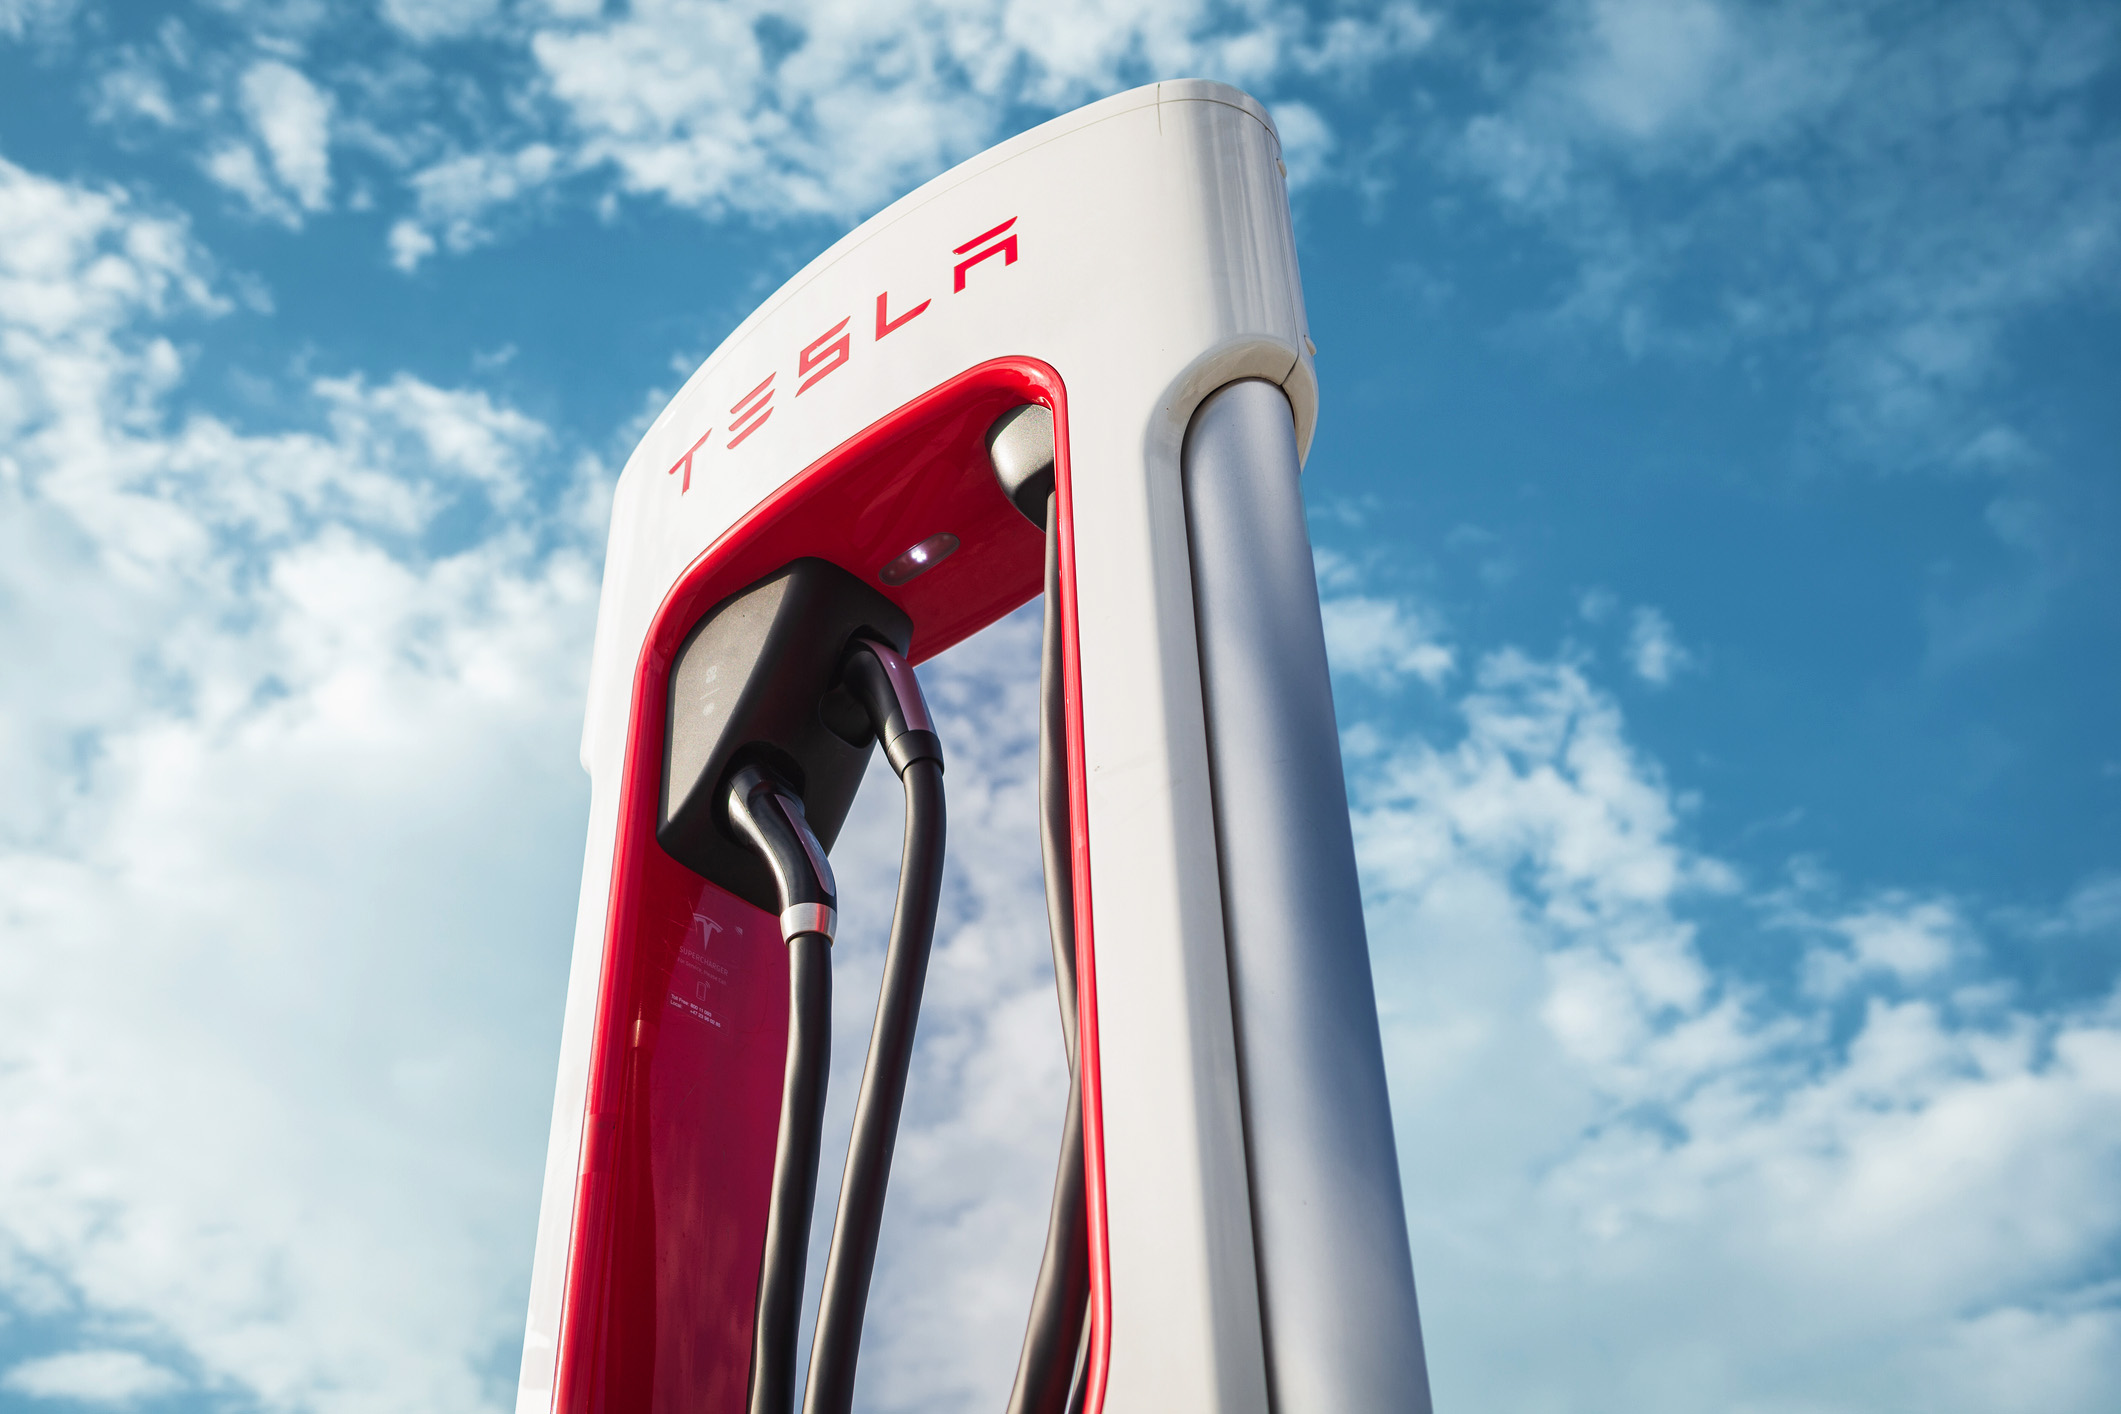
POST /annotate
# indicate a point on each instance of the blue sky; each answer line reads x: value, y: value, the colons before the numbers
x: 1717, y: 521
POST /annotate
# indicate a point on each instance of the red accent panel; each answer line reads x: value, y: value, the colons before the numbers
x: 1100, y: 1359
x: 685, y: 1063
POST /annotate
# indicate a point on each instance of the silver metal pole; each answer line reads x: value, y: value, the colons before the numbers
x: 1343, y: 1332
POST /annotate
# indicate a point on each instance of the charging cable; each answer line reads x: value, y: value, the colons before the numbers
x: 1048, y: 1371
x: 768, y: 816
x: 882, y: 681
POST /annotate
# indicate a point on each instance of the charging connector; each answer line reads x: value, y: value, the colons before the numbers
x: 768, y: 816
x: 882, y: 681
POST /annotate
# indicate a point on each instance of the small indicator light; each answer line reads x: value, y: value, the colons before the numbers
x: 919, y: 560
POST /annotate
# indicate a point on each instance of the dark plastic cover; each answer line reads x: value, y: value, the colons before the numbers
x: 1020, y: 444
x: 757, y: 681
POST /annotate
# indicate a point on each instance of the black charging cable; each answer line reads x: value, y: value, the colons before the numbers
x: 882, y: 681
x: 1049, y: 1378
x: 769, y: 817
x: 1051, y: 1371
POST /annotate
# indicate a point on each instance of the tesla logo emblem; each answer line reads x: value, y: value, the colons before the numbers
x: 831, y: 350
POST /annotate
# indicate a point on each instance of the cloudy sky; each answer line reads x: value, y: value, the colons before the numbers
x: 1720, y: 535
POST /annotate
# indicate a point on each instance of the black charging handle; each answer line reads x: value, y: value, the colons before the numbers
x: 757, y: 683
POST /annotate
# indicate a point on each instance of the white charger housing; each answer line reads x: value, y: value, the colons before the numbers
x: 1132, y: 267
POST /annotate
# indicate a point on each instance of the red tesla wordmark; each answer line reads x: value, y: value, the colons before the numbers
x: 751, y: 411
x: 885, y: 324
x: 830, y: 351
x: 822, y: 355
x: 1005, y: 249
x: 686, y: 461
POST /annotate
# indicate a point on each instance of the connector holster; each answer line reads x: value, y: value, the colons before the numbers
x: 757, y: 682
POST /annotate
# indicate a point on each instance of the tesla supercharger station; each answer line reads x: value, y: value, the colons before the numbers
x: 836, y: 480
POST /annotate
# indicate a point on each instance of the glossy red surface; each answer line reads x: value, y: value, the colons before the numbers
x: 1100, y: 1356
x: 686, y: 1062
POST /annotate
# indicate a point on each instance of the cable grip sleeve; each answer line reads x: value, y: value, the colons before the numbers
x: 883, y: 682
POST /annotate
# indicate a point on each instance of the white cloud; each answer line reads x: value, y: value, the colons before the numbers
x: 801, y: 108
x: 456, y: 195
x: 91, y: 1377
x: 409, y: 245
x: 1306, y: 142
x: 1544, y: 773
x: 289, y: 121
x: 292, y: 118
x: 765, y: 109
x: 778, y: 110
x: 1350, y: 46
x: 1908, y: 939
x: 76, y: 264
x: 1383, y: 640
x: 1654, y: 650
x: 235, y: 166
x: 273, y: 701
x: 462, y: 434
x: 134, y: 90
